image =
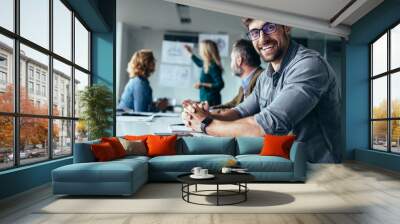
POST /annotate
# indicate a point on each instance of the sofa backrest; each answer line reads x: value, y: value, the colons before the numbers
x: 249, y: 145
x: 83, y: 152
x: 190, y: 146
x: 206, y: 145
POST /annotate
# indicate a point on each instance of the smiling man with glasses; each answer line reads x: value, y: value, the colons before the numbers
x: 297, y: 93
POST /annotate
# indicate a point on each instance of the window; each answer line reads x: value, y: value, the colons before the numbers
x: 385, y: 94
x: 81, y: 45
x: 43, y: 77
x: 62, y: 74
x: 62, y: 137
x: 44, y: 91
x: 35, y: 21
x: 30, y: 72
x: 6, y: 73
x: 7, y: 14
x: 395, y: 47
x: 30, y: 87
x: 81, y: 81
x: 3, y: 81
x: 62, y: 29
x: 6, y: 142
x: 37, y: 89
x: 3, y: 78
x: 46, y: 76
x: 3, y: 72
x: 3, y: 61
x: 55, y: 102
x: 37, y: 74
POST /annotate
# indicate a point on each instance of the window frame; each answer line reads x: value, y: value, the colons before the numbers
x: 388, y: 74
x: 51, y: 118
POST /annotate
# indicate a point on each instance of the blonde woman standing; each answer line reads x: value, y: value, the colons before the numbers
x: 211, y: 82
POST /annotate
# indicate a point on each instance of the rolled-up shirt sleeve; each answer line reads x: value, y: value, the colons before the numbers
x: 304, y: 85
x: 250, y: 105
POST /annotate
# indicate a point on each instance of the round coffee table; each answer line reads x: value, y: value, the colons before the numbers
x: 238, y: 179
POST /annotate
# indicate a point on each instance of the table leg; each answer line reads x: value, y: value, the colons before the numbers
x: 245, y: 191
x: 196, y: 188
x: 217, y: 194
x: 188, y: 189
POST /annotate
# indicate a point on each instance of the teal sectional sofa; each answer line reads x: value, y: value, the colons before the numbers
x: 125, y: 176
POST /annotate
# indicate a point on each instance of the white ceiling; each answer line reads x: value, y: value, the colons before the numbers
x: 162, y: 15
x: 324, y: 9
x: 206, y: 16
x: 314, y: 15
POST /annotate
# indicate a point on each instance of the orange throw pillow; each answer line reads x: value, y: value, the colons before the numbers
x: 116, y: 145
x: 103, y: 152
x: 277, y: 145
x: 161, y: 145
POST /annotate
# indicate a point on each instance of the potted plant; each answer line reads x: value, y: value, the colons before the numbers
x: 96, y: 104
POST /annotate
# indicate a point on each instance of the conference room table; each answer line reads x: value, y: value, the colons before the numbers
x: 152, y: 123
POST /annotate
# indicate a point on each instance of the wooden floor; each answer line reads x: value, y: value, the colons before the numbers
x: 377, y: 188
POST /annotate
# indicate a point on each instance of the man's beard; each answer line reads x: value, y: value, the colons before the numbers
x: 279, y: 52
x: 237, y: 71
x: 276, y: 56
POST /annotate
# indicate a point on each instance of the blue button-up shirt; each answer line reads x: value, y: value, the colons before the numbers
x: 302, y: 97
x: 137, y: 95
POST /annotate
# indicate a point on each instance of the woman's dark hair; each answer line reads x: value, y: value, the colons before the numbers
x: 245, y: 49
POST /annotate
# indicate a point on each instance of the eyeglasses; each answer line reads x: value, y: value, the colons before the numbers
x: 267, y: 28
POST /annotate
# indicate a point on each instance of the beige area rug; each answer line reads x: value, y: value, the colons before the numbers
x: 166, y: 198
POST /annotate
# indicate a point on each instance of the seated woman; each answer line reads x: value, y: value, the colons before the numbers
x: 138, y: 95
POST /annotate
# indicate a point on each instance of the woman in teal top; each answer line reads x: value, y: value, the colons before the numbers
x: 211, y: 82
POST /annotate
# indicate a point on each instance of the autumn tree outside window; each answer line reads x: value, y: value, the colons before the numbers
x: 385, y: 91
x: 44, y: 64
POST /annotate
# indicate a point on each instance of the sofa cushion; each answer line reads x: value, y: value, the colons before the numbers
x: 134, y: 147
x: 103, y: 152
x: 83, y: 152
x: 249, y: 145
x: 257, y: 163
x: 112, y: 171
x: 185, y: 163
x: 161, y: 145
x: 277, y: 145
x: 136, y: 137
x: 131, y: 158
x: 116, y: 145
x: 206, y: 145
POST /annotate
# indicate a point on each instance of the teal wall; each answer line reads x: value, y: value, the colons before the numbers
x: 102, y: 69
x: 103, y: 51
x: 99, y: 15
x: 357, y: 84
x: 24, y: 178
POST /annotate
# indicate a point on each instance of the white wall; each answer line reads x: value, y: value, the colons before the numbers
x: 133, y: 39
